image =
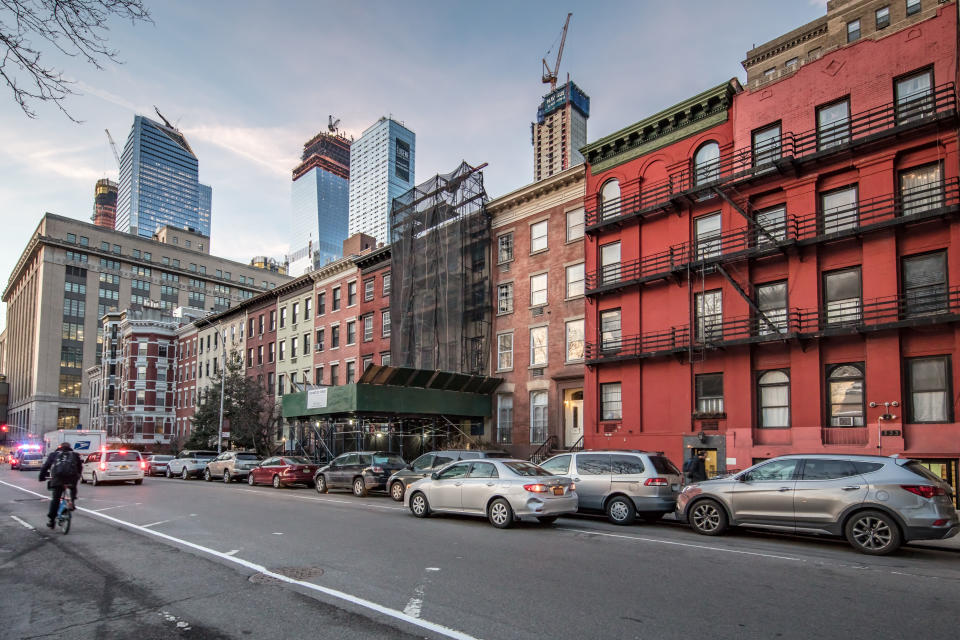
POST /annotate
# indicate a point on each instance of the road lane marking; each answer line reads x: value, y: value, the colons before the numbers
x: 351, y: 502
x: 277, y: 533
x: 153, y: 524
x: 231, y: 552
x: 680, y: 544
x: 437, y: 628
x: 24, y: 523
x: 416, y: 602
x: 118, y: 506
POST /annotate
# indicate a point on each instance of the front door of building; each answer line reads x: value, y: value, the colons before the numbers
x: 710, y: 462
x: 572, y: 416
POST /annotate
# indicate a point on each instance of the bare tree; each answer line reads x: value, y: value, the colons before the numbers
x: 76, y: 28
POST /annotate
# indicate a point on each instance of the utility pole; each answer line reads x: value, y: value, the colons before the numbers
x: 223, y: 378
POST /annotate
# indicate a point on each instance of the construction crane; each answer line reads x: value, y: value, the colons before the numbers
x: 550, y: 75
x: 113, y: 147
x: 333, y: 124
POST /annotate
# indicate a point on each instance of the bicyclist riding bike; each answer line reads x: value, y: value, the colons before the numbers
x: 63, y: 467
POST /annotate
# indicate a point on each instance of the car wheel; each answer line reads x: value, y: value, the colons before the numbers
x: 138, y: 481
x: 359, y: 488
x: 396, y: 491
x: 184, y: 475
x: 874, y: 533
x: 321, y: 482
x: 620, y: 510
x: 500, y: 514
x: 206, y: 475
x: 250, y: 480
x: 547, y: 519
x: 276, y: 482
x: 419, y: 505
x: 168, y: 474
x: 95, y: 481
x: 707, y: 517
x: 226, y: 477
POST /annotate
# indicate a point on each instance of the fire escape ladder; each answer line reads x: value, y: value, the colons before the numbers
x: 753, y: 305
x: 751, y: 221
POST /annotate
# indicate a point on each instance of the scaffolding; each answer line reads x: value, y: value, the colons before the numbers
x: 442, y: 302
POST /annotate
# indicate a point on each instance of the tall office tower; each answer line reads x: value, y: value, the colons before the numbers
x: 105, y: 204
x: 381, y: 169
x: 158, y: 181
x: 560, y: 130
x: 204, y: 207
x: 319, y: 199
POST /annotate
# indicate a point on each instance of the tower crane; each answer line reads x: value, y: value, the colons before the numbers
x: 550, y: 75
x: 113, y: 147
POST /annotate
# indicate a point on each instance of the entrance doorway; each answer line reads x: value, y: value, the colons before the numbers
x: 946, y: 469
x: 572, y: 416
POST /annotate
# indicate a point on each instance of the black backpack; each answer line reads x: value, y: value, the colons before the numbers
x: 65, y: 466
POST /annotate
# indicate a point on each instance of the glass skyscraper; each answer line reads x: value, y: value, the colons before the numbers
x: 319, y: 199
x: 158, y: 182
x: 381, y: 169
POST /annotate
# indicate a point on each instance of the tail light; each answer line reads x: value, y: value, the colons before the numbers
x: 103, y: 465
x: 143, y: 464
x: 573, y: 487
x: 376, y: 469
x: 940, y: 522
x: 536, y: 488
x: 656, y: 482
x: 924, y: 490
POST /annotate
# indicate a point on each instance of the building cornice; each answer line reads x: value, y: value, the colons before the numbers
x: 373, y: 258
x: 661, y: 129
x: 537, y: 190
x: 777, y: 46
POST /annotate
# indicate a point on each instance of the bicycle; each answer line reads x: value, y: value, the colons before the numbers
x: 65, y: 512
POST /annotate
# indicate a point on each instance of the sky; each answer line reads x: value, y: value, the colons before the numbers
x: 249, y: 82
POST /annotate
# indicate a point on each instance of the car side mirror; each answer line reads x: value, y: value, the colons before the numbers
x: 435, y: 475
x: 409, y: 467
x: 743, y: 477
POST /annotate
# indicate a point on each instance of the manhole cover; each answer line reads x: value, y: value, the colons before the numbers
x: 297, y: 573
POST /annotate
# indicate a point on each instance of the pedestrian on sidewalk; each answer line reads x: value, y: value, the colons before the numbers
x: 695, y: 469
x: 63, y: 467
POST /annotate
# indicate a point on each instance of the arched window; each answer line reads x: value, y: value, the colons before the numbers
x: 610, y: 199
x: 845, y: 406
x: 773, y: 392
x: 706, y: 163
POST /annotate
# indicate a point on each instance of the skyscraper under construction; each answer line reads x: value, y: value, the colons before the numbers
x: 560, y: 130
x: 105, y: 204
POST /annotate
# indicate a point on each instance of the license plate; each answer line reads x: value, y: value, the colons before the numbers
x: 675, y: 487
x: 558, y: 491
x: 123, y: 466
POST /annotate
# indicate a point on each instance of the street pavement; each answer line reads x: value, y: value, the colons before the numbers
x: 207, y: 560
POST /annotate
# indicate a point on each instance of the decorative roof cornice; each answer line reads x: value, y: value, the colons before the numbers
x: 663, y: 128
x: 537, y: 189
x: 773, y: 48
x: 373, y: 258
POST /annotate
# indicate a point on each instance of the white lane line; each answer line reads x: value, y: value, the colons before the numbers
x: 277, y: 533
x: 416, y: 602
x: 118, y: 506
x: 680, y: 544
x: 350, y: 502
x: 24, y: 523
x: 439, y: 629
x: 153, y: 524
x: 231, y: 552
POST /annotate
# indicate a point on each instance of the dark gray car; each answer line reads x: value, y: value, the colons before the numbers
x: 429, y: 462
x: 876, y: 502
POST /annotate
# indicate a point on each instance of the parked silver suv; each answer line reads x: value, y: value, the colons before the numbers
x: 622, y: 484
x: 876, y: 502
x: 231, y: 465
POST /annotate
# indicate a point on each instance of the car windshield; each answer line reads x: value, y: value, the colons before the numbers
x: 496, y: 454
x: 922, y: 471
x: 664, y: 466
x: 247, y: 456
x: 296, y: 460
x: 122, y: 456
x: 161, y: 458
x: 526, y: 469
x: 388, y: 458
x: 204, y: 454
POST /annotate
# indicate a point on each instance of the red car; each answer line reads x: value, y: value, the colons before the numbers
x: 281, y: 471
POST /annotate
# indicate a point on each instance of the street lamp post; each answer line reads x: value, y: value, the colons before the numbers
x: 223, y: 377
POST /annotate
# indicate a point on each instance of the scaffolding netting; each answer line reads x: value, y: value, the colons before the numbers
x: 441, y: 303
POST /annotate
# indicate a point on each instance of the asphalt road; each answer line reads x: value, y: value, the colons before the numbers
x: 233, y: 561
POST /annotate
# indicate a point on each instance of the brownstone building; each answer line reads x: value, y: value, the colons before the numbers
x: 538, y: 333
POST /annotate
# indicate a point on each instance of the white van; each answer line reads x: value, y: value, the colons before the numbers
x: 113, y: 466
x: 83, y: 441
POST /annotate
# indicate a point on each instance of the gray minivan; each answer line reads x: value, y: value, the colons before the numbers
x: 622, y: 484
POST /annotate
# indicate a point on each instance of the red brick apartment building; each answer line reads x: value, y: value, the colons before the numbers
x: 538, y: 327
x: 764, y: 263
x: 374, y: 324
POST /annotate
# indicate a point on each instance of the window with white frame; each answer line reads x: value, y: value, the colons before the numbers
x: 707, y: 236
x: 574, y: 340
x: 610, y: 335
x: 385, y: 323
x: 709, y: 391
x: 504, y: 418
x: 610, y: 263
x: 611, y: 402
x: 929, y: 389
x: 538, y: 417
x: 538, y: 290
x: 575, y: 280
x: 766, y: 144
x: 368, y: 327
x: 772, y: 303
x: 610, y: 199
x: 921, y: 189
x: 833, y: 124
x: 574, y: 224
x: 842, y: 296
x: 505, y: 297
x: 773, y: 398
x: 504, y: 248
x: 504, y: 351
x: 773, y: 221
x: 538, y: 346
x: 839, y: 210
x: 706, y: 163
x: 538, y: 236
x: 708, y: 315
x: 845, y: 401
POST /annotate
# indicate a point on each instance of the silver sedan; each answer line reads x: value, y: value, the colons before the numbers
x: 503, y: 490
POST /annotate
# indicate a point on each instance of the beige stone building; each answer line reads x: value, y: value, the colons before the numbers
x: 69, y: 275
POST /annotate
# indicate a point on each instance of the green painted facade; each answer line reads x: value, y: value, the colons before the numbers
x: 382, y: 399
x: 680, y: 121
